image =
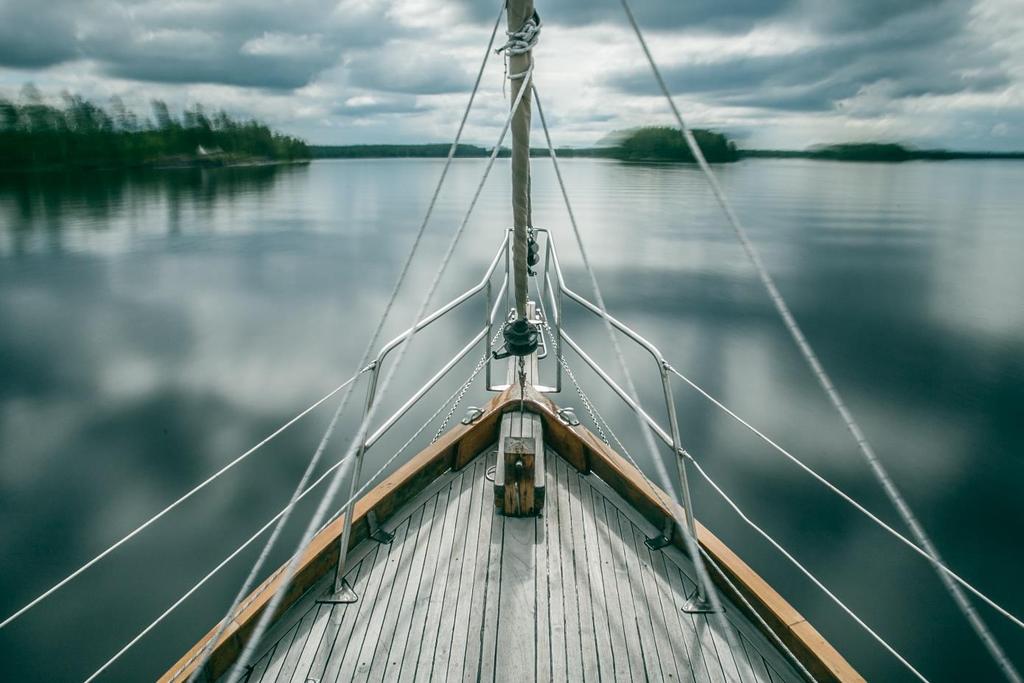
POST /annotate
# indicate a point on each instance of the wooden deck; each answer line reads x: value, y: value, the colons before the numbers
x: 571, y: 595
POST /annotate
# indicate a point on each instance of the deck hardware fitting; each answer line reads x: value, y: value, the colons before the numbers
x: 489, y: 474
x: 377, y: 532
x: 698, y: 604
x: 472, y: 415
x: 568, y: 416
x: 664, y: 538
x: 343, y: 596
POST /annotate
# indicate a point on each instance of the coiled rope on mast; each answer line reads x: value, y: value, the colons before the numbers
x: 523, y: 32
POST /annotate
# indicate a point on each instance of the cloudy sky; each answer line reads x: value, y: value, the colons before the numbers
x: 772, y: 73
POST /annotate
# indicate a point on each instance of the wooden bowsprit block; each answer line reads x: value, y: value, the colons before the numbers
x: 519, y: 470
x: 519, y: 461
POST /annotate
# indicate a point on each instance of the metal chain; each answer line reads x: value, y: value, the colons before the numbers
x: 584, y: 399
x: 465, y: 388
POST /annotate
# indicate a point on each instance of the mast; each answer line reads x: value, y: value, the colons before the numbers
x: 523, y: 25
x: 521, y: 335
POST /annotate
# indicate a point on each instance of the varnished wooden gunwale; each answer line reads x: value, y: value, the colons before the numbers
x: 585, y: 452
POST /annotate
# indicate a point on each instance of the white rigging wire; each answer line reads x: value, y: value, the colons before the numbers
x: 877, y: 469
x: 599, y: 421
x: 806, y: 572
x: 252, y: 642
x: 602, y: 426
x: 842, y: 494
x: 181, y: 499
x: 254, y: 572
x: 597, y: 417
x: 692, y: 544
x: 215, y: 637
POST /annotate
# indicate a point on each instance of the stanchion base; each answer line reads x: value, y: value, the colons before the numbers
x: 657, y: 542
x: 696, y: 604
x: 343, y: 596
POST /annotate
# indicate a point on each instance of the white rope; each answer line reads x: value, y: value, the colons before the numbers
x: 524, y: 40
x: 254, y: 572
x: 691, y: 543
x: 215, y: 637
x: 521, y: 42
x: 842, y: 494
x: 804, y: 570
x: 877, y: 469
x: 253, y: 641
x: 196, y: 489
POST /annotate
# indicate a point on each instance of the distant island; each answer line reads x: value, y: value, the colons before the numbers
x: 35, y: 136
x: 640, y: 144
x: 664, y: 144
x: 81, y: 134
x: 876, y: 151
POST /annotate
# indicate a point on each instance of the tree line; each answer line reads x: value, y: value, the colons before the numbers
x: 650, y: 143
x: 81, y: 133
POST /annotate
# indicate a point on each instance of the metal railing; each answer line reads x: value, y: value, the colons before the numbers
x: 552, y: 286
x: 671, y: 438
x: 491, y: 309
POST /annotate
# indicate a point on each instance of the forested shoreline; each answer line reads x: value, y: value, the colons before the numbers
x: 79, y: 134
x: 35, y: 135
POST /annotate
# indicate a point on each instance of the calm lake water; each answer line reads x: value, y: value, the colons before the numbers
x: 153, y: 328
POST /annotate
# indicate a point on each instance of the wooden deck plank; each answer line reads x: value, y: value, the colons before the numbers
x: 387, y: 659
x: 517, y: 608
x: 293, y: 670
x: 634, y: 649
x: 417, y: 628
x: 601, y: 618
x: 614, y: 612
x: 280, y: 652
x: 426, y: 654
x: 481, y: 557
x: 707, y: 647
x: 570, y: 599
x: 489, y: 633
x: 756, y: 662
x: 457, y: 557
x: 737, y: 654
x: 686, y: 643
x: 388, y: 604
x: 584, y: 598
x: 556, y: 582
x: 255, y: 674
x: 543, y: 673
x: 666, y: 646
x: 367, y: 628
x: 345, y: 650
x: 650, y: 644
x: 470, y: 558
x: 339, y: 619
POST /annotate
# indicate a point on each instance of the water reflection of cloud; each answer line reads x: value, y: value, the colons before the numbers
x: 152, y: 331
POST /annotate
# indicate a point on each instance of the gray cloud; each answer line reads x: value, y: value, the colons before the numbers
x: 913, y: 49
x: 390, y: 64
x: 257, y: 43
x: 34, y: 35
x: 716, y: 15
x: 395, y: 68
x: 376, y: 106
x: 727, y: 16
